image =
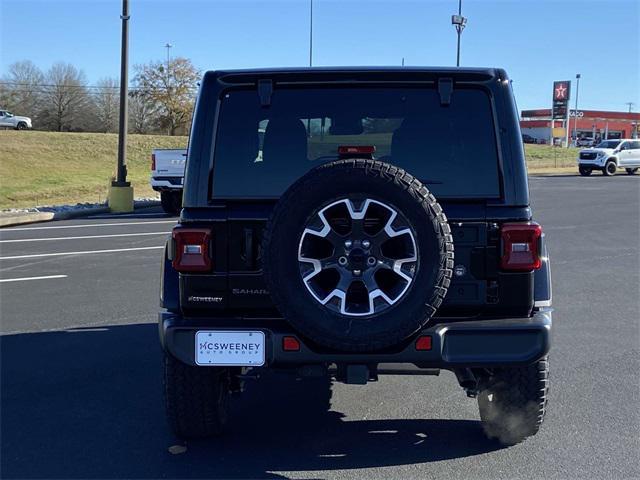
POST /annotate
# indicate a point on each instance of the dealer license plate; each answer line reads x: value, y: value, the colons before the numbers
x: 239, y: 348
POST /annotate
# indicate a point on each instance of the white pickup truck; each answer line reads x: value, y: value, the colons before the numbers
x: 9, y: 120
x: 167, y: 177
x: 609, y: 156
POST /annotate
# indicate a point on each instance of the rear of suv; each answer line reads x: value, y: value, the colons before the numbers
x: 348, y: 223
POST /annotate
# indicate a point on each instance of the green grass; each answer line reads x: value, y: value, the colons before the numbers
x: 547, y: 159
x: 43, y: 168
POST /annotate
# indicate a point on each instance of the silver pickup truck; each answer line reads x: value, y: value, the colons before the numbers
x: 167, y: 176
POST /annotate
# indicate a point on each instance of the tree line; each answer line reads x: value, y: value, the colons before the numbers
x: 160, y: 100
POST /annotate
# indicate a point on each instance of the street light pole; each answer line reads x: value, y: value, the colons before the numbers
x: 459, y: 22
x: 575, y: 112
x: 120, y: 191
x: 310, y: 32
x: 168, y: 47
x: 121, y: 174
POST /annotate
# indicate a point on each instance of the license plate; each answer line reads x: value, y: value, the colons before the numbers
x: 239, y: 348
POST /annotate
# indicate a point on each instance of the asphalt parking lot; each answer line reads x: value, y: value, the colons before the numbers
x: 81, y: 373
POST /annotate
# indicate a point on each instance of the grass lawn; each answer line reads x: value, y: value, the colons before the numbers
x: 43, y: 168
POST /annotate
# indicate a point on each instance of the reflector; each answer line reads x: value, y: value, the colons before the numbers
x: 290, y: 344
x: 423, y: 343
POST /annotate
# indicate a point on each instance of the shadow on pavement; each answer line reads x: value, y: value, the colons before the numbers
x: 141, y: 213
x: 88, y: 404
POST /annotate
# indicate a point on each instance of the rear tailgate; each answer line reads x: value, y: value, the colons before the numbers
x: 478, y: 286
x: 169, y: 163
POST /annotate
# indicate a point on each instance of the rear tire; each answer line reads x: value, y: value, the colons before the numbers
x: 585, y: 171
x: 196, y: 398
x: 609, y: 168
x: 513, y: 401
x: 171, y: 202
x: 631, y: 171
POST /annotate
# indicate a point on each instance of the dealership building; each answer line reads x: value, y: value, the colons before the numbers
x: 590, y: 123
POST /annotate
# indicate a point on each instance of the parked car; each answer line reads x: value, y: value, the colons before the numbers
x: 609, y: 156
x: 9, y: 120
x: 528, y: 139
x: 167, y: 177
x: 585, y: 142
x: 363, y: 250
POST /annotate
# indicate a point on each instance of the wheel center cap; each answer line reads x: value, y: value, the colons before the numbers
x: 357, y: 259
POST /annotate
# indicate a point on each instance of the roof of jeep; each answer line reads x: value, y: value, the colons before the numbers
x: 359, y: 73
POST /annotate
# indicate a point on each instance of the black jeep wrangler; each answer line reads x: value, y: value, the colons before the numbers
x: 344, y: 223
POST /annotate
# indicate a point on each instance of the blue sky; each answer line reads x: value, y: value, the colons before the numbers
x: 537, y: 41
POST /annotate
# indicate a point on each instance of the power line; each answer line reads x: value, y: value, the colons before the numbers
x: 45, y: 88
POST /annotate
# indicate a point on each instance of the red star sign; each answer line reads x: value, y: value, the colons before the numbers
x: 561, y: 92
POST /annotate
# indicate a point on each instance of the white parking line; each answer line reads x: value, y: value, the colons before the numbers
x: 86, y: 236
x: 84, y: 252
x: 24, y: 279
x: 121, y: 215
x: 86, y: 225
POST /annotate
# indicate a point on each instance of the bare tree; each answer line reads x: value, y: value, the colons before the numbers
x: 106, y: 101
x: 141, y: 112
x: 21, y: 89
x: 66, y: 97
x: 171, y: 88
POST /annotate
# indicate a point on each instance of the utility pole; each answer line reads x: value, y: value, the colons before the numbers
x: 310, y: 33
x: 121, y: 192
x: 459, y: 22
x: 575, y: 112
x: 630, y: 105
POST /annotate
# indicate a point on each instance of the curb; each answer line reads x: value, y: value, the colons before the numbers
x: 81, y: 212
x: 35, y: 217
x: 24, y: 218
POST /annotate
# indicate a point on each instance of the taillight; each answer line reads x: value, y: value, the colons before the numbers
x: 520, y: 246
x: 153, y: 161
x: 191, y: 249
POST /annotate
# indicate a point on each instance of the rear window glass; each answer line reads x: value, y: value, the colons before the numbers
x: 260, y: 151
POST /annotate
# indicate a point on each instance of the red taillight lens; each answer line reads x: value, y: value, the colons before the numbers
x: 520, y: 246
x: 290, y: 344
x: 423, y: 343
x: 191, y: 249
x: 153, y: 161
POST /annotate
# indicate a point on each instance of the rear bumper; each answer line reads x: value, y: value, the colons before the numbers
x: 468, y: 344
x: 166, y: 183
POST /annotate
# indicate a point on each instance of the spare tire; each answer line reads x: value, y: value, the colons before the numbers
x: 357, y: 255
